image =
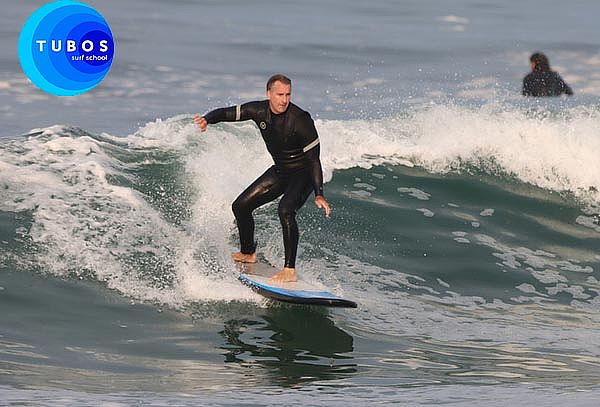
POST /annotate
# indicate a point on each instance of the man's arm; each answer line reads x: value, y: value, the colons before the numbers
x: 566, y: 89
x: 243, y: 112
x: 315, y: 169
x: 316, y: 172
x: 310, y: 139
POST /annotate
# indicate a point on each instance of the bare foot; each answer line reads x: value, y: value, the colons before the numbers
x: 244, y: 258
x: 288, y: 275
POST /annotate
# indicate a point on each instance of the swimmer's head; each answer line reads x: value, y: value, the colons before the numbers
x: 539, y: 62
x: 279, y: 92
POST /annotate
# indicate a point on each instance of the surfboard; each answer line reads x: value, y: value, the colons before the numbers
x: 256, y: 276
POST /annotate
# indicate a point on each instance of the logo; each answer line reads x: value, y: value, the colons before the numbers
x: 66, y: 48
x: 263, y: 125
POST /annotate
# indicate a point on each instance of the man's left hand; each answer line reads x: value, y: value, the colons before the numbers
x: 323, y: 204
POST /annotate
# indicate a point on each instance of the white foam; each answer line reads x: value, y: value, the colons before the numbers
x: 549, y: 276
x: 361, y: 193
x: 484, y: 93
x: 365, y: 186
x: 84, y: 223
x: 367, y: 82
x: 589, y: 222
x: 443, y: 283
x: 483, y: 82
x: 527, y: 288
x: 454, y: 19
x: 458, y: 28
x: 555, y: 153
x: 576, y: 291
x: 542, y: 265
x: 426, y: 212
x: 414, y: 192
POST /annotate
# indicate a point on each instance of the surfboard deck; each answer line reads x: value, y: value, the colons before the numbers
x: 256, y: 276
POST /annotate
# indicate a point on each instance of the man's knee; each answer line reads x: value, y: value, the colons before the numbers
x: 286, y: 212
x: 239, y: 207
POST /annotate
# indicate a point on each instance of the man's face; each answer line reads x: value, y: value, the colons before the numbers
x: 279, y: 97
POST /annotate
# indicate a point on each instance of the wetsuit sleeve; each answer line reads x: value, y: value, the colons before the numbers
x: 307, y: 132
x: 316, y: 171
x: 247, y: 111
x: 566, y: 89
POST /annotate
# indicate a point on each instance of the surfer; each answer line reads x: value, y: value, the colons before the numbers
x: 292, y: 140
x: 542, y: 81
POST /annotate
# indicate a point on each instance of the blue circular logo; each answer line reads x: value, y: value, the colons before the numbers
x: 66, y: 48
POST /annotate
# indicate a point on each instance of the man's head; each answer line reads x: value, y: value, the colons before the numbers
x: 539, y: 62
x: 279, y: 92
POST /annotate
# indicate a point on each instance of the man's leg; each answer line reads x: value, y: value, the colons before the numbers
x: 265, y: 189
x: 295, y: 195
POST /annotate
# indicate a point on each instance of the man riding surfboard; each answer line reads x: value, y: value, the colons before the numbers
x: 292, y: 140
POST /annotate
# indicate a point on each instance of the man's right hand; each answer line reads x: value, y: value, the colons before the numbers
x: 201, y: 122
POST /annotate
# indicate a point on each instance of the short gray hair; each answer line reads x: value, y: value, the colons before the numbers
x: 278, y: 78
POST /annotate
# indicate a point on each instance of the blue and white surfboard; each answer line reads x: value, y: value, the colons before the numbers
x: 256, y: 276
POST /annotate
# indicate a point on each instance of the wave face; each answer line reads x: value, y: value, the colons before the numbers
x: 450, y: 224
x: 161, y: 198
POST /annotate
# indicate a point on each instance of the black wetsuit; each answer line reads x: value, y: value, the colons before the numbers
x: 545, y: 83
x: 293, y: 142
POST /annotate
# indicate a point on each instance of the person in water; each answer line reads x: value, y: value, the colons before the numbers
x: 292, y: 140
x: 542, y: 81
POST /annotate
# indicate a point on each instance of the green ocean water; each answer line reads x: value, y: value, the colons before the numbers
x: 473, y: 257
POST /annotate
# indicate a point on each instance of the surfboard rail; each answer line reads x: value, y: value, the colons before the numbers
x: 256, y: 276
x: 306, y: 297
